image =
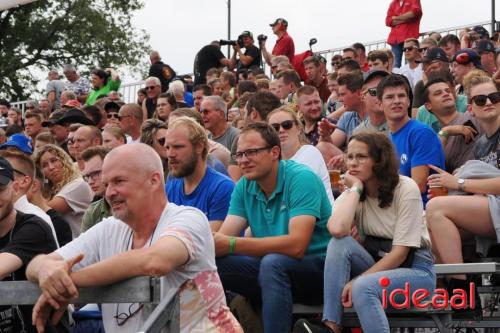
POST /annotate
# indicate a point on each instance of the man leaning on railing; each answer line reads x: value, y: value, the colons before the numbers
x: 147, y: 235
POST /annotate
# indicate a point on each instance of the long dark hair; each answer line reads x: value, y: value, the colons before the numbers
x: 385, y: 164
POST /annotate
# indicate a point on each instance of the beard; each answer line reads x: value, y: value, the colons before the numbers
x: 184, y: 168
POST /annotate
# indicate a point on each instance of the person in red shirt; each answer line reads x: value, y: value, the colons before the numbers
x: 284, y: 44
x: 403, y: 17
x: 315, y: 78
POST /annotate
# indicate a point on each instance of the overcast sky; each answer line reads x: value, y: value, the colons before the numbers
x: 178, y: 29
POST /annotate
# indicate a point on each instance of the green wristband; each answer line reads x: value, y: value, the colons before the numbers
x: 232, y: 244
x: 357, y: 189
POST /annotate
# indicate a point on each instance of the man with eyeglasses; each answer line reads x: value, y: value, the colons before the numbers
x: 412, y: 69
x: 287, y: 221
x: 153, y: 90
x: 191, y: 181
x: 85, y: 137
x: 22, y: 237
x: 131, y: 117
x: 169, y: 241
x: 462, y: 63
x: 99, y: 209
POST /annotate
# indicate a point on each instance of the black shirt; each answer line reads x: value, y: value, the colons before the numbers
x: 208, y: 57
x: 254, y: 52
x: 150, y: 106
x: 164, y: 72
x: 61, y: 226
x: 29, y: 237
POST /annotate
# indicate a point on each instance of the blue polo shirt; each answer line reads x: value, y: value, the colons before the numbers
x: 299, y: 191
x: 416, y: 145
x: 211, y: 196
x: 348, y: 122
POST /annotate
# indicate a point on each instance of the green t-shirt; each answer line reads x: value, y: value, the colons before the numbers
x: 106, y: 89
x: 96, y: 212
x: 426, y: 117
x: 299, y: 191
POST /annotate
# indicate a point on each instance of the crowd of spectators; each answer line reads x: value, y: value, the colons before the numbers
x: 233, y: 184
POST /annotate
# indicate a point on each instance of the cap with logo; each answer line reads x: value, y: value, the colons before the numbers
x: 246, y: 33
x: 6, y: 172
x: 435, y: 53
x: 19, y: 141
x: 466, y: 56
x: 278, y: 21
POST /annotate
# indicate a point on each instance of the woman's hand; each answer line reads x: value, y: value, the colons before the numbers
x: 442, y: 178
x: 349, y: 180
x: 347, y: 295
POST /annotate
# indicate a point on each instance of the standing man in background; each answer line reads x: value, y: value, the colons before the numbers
x: 162, y: 71
x: 403, y: 17
x: 284, y: 44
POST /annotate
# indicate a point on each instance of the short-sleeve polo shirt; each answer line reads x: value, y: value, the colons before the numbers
x: 299, y: 191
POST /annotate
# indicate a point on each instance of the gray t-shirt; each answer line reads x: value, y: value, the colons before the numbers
x: 457, y: 151
x: 56, y: 86
x: 228, y: 138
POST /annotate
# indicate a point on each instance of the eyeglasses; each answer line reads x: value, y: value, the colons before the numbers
x: 249, y: 153
x: 347, y: 58
x: 113, y: 115
x: 94, y: 175
x: 422, y: 49
x: 480, y: 100
x: 462, y: 58
x: 287, y: 124
x: 358, y: 158
x: 150, y: 87
x: 30, y: 107
x: 161, y: 141
x: 372, y: 91
x: 409, y: 48
x: 122, y: 318
x: 335, y: 63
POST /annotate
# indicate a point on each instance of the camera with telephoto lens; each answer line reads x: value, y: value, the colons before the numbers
x: 239, y: 42
x: 261, y: 38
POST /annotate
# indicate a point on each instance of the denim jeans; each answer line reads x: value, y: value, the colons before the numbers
x: 276, y: 281
x: 346, y: 259
x: 397, y: 50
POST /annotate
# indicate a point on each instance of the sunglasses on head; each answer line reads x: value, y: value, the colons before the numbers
x: 287, y: 124
x: 113, y: 115
x: 480, y: 100
x: 462, y: 58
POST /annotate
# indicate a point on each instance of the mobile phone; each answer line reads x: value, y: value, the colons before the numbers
x: 471, y: 124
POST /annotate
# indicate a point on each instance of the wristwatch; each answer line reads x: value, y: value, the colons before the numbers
x: 461, y: 184
x: 442, y: 133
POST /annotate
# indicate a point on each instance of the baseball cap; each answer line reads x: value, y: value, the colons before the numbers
x: 73, y: 116
x: 465, y: 56
x: 481, y: 31
x: 435, y: 53
x: 53, y: 118
x: 19, y: 141
x: 72, y: 103
x: 484, y: 45
x: 375, y: 73
x: 246, y: 33
x: 112, y: 105
x: 6, y: 172
x: 278, y: 21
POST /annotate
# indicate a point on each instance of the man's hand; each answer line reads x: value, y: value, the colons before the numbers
x: 236, y: 48
x: 221, y: 242
x: 56, y: 283
x: 42, y: 311
x: 337, y: 162
x: 466, y: 131
x: 325, y: 129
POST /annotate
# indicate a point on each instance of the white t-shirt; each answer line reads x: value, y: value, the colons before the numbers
x: 311, y: 156
x: 413, y: 75
x: 202, y: 301
x: 78, y: 195
x: 24, y: 206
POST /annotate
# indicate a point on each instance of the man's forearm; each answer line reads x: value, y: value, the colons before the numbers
x: 259, y: 247
x: 267, y: 56
x: 33, y: 269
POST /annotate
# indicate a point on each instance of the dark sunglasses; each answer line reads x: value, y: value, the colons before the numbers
x: 422, y: 49
x: 113, y: 115
x: 335, y: 63
x: 162, y: 141
x: 409, y: 48
x: 480, y: 100
x: 462, y: 58
x: 150, y: 87
x: 372, y: 91
x: 287, y: 124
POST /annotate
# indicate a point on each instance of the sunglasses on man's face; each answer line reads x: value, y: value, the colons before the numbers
x: 113, y: 115
x: 423, y: 49
x: 409, y: 48
x: 372, y: 91
x: 287, y: 124
x: 480, y: 100
x: 150, y: 87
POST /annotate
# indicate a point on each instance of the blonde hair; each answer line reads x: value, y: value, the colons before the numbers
x: 474, y: 78
x: 288, y: 110
x: 196, y: 133
x: 70, y: 171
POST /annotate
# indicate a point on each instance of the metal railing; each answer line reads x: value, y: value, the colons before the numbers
x: 143, y: 289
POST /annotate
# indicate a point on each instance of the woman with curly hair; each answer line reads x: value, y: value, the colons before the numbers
x: 153, y: 133
x: 386, y: 209
x: 64, y: 187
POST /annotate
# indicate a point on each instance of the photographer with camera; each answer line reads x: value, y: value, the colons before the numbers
x: 210, y: 56
x: 251, y: 57
x: 284, y: 44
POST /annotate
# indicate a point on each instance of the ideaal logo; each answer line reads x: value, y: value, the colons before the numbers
x: 439, y: 300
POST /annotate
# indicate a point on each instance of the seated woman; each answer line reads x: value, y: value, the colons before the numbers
x: 294, y: 146
x: 382, y: 204
x: 454, y: 218
x: 65, y: 189
x: 153, y: 133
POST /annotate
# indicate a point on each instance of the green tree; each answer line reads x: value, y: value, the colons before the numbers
x: 50, y: 33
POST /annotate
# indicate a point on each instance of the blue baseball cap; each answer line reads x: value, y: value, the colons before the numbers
x: 6, y: 172
x: 20, y: 141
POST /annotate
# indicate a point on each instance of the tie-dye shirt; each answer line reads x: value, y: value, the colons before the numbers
x: 202, y: 302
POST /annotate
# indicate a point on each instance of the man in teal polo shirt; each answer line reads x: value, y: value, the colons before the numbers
x: 286, y: 207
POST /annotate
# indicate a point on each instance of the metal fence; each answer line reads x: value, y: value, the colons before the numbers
x: 129, y: 90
